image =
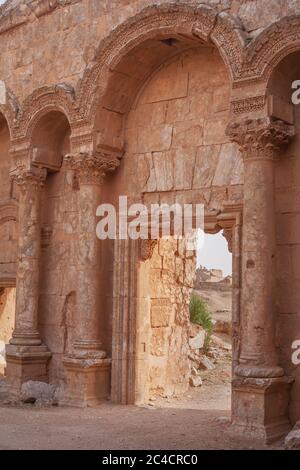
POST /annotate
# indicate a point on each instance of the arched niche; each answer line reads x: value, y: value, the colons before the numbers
x: 51, y: 140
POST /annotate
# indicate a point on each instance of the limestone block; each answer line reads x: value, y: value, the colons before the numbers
x: 187, y: 134
x: 195, y: 381
x: 155, y: 139
x: 164, y: 171
x: 221, y: 99
x: 178, y: 110
x: 205, y: 165
x: 41, y: 392
x: 214, y: 132
x: 292, y: 440
x: 160, y: 313
x: 205, y: 363
x: 169, y: 83
x: 153, y: 114
x: 200, y: 105
x: 227, y: 161
x: 184, y: 164
x: 159, y: 341
x: 255, y: 15
x: 198, y: 341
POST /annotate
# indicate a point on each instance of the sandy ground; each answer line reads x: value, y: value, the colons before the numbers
x: 197, y: 420
x: 116, y: 427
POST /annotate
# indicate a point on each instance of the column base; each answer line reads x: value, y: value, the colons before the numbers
x: 260, y: 408
x: 87, y: 381
x: 25, y: 363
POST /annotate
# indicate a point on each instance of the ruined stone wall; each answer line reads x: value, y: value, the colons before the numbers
x: 171, y: 281
x: 165, y: 285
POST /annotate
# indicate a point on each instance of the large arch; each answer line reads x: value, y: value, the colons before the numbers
x: 265, y: 52
x: 60, y: 98
x: 198, y: 23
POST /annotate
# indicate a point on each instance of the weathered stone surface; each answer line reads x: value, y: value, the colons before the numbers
x: 195, y: 381
x: 38, y: 392
x: 292, y: 440
x: 205, y: 363
x: 198, y: 341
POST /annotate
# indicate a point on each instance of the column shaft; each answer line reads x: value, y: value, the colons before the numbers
x: 27, y: 281
x: 260, y: 141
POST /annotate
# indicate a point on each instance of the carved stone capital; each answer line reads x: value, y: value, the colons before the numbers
x: 28, y: 178
x: 260, y: 138
x: 91, y: 168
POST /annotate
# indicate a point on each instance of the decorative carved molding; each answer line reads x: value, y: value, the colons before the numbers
x: 260, y: 138
x: 229, y: 37
x: 202, y: 21
x: 91, y: 168
x: 248, y: 105
x: 41, y: 102
x: 269, y: 48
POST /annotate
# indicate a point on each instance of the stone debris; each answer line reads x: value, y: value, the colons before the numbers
x: 206, y: 363
x: 195, y: 381
x: 198, y: 341
x: 292, y: 440
x: 39, y: 393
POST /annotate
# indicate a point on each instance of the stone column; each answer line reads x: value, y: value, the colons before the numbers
x: 26, y: 355
x: 260, y: 381
x: 88, y: 369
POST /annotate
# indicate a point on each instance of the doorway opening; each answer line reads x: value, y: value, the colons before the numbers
x: 211, y: 325
x: 185, y: 327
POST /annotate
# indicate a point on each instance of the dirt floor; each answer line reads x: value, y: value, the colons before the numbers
x: 117, y: 427
x: 197, y: 420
